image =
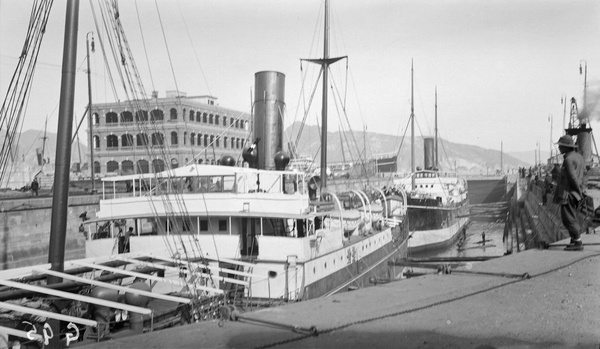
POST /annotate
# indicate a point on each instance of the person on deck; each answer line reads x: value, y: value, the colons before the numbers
x: 570, y: 190
x: 35, y: 187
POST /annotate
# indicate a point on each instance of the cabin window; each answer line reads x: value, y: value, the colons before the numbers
x: 222, y: 225
x: 203, y: 225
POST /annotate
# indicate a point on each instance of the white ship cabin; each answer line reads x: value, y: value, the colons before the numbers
x: 231, y: 212
x: 432, y: 184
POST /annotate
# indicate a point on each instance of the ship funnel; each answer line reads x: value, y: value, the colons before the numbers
x: 269, y: 105
x: 428, y: 147
x: 584, y: 144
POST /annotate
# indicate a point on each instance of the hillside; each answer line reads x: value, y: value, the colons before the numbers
x: 466, y: 158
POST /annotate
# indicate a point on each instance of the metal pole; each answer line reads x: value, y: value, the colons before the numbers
x: 435, y: 162
x: 58, y: 225
x: 324, y: 102
x: 90, y: 106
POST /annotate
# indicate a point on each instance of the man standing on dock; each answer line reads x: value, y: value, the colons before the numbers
x: 570, y: 191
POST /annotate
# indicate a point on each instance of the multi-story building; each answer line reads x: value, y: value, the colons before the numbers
x: 159, y: 133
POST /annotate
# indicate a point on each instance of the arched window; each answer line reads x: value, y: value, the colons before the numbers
x: 217, y: 120
x: 210, y: 118
x: 212, y: 139
x: 231, y: 122
x: 193, y: 139
x: 141, y: 116
x: 242, y: 143
x: 112, y: 141
x: 191, y: 115
x: 204, y: 118
x: 112, y: 118
x: 237, y: 123
x: 126, y: 117
x: 225, y: 121
x: 96, y: 168
x: 158, y: 138
x: 157, y: 115
x: 237, y: 143
x: 141, y: 139
x: 174, y: 163
x: 112, y: 166
x: 206, y: 140
x: 174, y: 139
x: 225, y: 142
x: 142, y: 166
x: 158, y: 165
x: 184, y: 138
x: 173, y: 114
x: 198, y: 116
x: 199, y: 140
x: 217, y: 141
x: 96, y: 142
x: 127, y: 167
x: 96, y: 119
x: 232, y: 142
x: 127, y: 140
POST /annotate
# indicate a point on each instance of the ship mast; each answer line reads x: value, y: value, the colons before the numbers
x: 325, y: 62
x: 412, y: 126
x: 60, y: 198
x: 435, y: 162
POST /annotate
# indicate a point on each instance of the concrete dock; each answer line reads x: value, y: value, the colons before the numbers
x: 533, y: 299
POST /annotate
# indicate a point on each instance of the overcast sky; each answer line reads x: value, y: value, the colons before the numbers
x: 500, y: 66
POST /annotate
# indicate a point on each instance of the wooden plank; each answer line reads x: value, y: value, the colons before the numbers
x: 76, y: 297
x: 115, y: 287
x: 48, y: 314
x: 147, y: 277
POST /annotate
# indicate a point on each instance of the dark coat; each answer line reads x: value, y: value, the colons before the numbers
x: 571, y: 176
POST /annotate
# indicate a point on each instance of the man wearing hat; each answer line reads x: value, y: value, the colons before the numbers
x: 570, y: 190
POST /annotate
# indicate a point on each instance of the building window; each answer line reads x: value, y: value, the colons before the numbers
x: 96, y: 119
x: 217, y: 141
x: 206, y: 140
x: 204, y: 118
x: 217, y: 120
x: 231, y: 123
x: 193, y: 139
x: 96, y: 142
x: 127, y: 167
x: 212, y: 140
x: 198, y: 116
x: 232, y: 142
x: 141, y: 116
x: 142, y: 166
x: 96, y: 167
x: 225, y: 142
x: 222, y: 225
x: 174, y: 163
x: 203, y: 225
x: 158, y: 138
x: 199, y: 140
x: 127, y: 140
x: 174, y: 138
x: 173, y: 113
x: 237, y: 143
x: 111, y: 118
x: 141, y: 140
x: 191, y: 115
x: 184, y: 138
x: 210, y: 118
x: 158, y: 165
x: 112, y: 166
x: 225, y: 121
x: 112, y: 141
x: 126, y: 117
x: 237, y: 123
x: 157, y: 115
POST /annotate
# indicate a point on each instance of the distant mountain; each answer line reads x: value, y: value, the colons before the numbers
x: 345, y: 147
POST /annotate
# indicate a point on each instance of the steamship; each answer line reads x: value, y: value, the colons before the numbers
x: 437, y: 202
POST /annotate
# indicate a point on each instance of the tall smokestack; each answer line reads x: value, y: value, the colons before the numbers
x: 428, y: 147
x: 269, y: 105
